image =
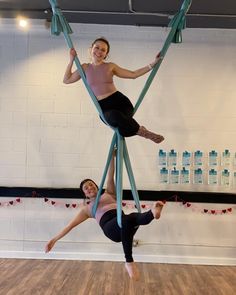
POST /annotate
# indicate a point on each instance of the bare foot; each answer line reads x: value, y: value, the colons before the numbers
x: 157, y: 208
x: 150, y: 135
x: 132, y: 270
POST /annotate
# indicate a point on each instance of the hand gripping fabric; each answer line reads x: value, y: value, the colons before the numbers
x: 60, y: 25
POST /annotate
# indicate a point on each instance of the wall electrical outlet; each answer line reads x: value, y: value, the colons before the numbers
x: 135, y: 243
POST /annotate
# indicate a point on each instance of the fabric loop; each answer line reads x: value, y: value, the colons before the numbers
x: 59, y: 24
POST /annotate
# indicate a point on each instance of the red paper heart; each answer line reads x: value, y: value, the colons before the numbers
x: 53, y: 203
x: 205, y: 210
x: 143, y: 206
x: 224, y: 211
x: 123, y: 204
x: 188, y: 205
x: 74, y: 205
x: 45, y: 200
x: 18, y: 200
x: 213, y: 211
x: 67, y: 205
x: 230, y: 209
x: 11, y: 202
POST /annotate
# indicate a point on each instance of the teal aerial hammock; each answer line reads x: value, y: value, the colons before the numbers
x: 58, y: 25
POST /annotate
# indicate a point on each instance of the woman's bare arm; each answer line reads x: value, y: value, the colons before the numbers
x: 128, y: 74
x: 111, y: 188
x: 69, y: 76
x: 79, y: 218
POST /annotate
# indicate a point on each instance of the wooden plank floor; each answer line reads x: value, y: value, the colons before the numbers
x: 63, y: 277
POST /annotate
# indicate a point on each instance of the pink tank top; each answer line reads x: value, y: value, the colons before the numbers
x: 100, y: 79
x: 106, y: 203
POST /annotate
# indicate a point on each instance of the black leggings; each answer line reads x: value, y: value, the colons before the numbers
x: 130, y: 224
x: 118, y: 112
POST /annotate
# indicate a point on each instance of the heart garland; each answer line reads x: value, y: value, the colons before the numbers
x: 127, y: 204
x: 10, y: 203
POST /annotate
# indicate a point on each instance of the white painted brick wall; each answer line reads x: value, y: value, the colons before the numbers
x: 45, y: 124
x: 51, y: 136
x: 203, y: 239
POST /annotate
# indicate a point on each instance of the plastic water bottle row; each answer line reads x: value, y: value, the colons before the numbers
x: 196, y: 158
x: 222, y: 177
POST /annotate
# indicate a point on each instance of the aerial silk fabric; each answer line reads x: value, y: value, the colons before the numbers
x: 60, y: 25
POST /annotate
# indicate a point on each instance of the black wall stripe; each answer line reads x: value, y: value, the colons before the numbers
x: 144, y: 195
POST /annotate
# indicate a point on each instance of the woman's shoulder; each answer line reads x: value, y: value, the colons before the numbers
x: 108, y: 195
x: 85, y: 65
x: 109, y: 64
x: 113, y: 67
x: 86, y: 209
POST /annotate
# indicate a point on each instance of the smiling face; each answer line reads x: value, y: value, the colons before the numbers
x: 90, y: 189
x: 99, y: 51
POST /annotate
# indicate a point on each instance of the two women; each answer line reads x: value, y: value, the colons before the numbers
x: 118, y: 112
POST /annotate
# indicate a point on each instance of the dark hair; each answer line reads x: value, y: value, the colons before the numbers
x: 102, y: 39
x: 83, y: 182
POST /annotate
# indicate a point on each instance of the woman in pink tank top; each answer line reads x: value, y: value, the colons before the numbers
x: 106, y: 216
x: 116, y: 107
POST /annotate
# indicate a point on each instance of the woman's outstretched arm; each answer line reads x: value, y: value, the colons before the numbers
x: 128, y: 74
x: 80, y: 217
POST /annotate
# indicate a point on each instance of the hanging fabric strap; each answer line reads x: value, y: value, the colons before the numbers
x: 60, y: 25
x: 177, y: 24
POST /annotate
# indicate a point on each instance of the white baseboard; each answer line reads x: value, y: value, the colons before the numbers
x: 119, y: 257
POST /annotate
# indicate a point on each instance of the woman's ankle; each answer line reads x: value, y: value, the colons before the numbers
x: 143, y: 132
x: 132, y: 270
x: 157, y: 208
